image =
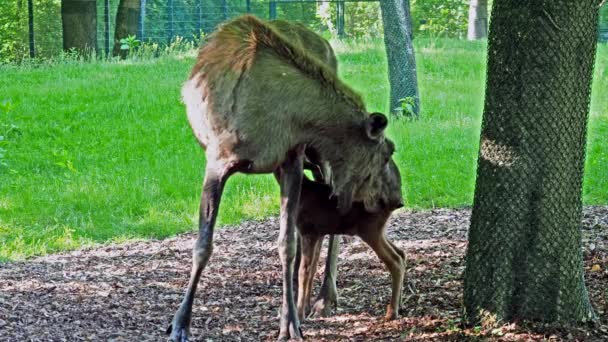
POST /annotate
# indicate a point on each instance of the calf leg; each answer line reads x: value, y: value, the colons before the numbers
x: 392, y: 258
x: 328, y: 296
x: 309, y: 246
x: 210, y: 202
x: 290, y: 181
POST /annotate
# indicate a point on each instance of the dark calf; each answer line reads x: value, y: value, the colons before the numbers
x: 317, y: 216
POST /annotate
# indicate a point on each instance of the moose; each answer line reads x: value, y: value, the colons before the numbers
x: 258, y: 103
x: 317, y: 217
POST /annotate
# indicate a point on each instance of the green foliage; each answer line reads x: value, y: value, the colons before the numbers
x: 362, y: 19
x: 83, y: 165
x: 431, y: 18
x: 14, y: 43
x: 408, y: 107
x: 12, y: 32
x: 129, y: 43
x: 446, y: 18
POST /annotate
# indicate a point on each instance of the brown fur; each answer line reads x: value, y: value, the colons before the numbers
x: 297, y: 33
x: 317, y: 217
x: 256, y: 102
x: 254, y: 85
x: 234, y: 47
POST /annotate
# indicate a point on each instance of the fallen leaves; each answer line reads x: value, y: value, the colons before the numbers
x: 118, y: 292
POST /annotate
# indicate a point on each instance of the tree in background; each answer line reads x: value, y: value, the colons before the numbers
x: 524, y: 256
x: 478, y: 20
x: 400, y: 55
x: 127, y: 20
x: 79, y: 22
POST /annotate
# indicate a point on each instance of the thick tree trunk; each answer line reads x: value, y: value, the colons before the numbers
x: 524, y: 256
x: 400, y: 53
x: 79, y: 22
x: 478, y: 19
x: 127, y: 23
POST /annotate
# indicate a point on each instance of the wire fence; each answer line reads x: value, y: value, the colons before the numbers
x: 163, y: 21
x: 39, y: 29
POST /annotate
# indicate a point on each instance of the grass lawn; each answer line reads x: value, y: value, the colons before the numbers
x: 99, y: 152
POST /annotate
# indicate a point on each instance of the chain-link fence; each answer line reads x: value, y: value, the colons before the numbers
x: 34, y: 27
x: 38, y: 28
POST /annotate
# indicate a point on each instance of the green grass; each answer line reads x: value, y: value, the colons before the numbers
x: 98, y: 152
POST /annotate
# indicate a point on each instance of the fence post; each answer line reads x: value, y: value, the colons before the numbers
x: 30, y: 19
x: 248, y: 2
x: 142, y: 18
x: 272, y: 10
x: 225, y: 9
x: 106, y: 20
x: 170, y: 20
x: 199, y: 17
x: 340, y: 18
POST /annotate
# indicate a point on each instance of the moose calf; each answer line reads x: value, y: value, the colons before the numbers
x: 317, y: 216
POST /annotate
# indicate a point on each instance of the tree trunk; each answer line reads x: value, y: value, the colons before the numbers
x: 127, y: 23
x: 400, y: 53
x: 79, y: 22
x: 478, y: 19
x: 524, y: 258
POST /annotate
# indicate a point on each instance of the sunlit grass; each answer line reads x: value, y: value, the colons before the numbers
x: 102, y: 152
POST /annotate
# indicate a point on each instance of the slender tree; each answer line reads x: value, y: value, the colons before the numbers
x: 127, y: 22
x: 400, y: 53
x: 79, y: 22
x: 524, y: 256
x: 478, y: 19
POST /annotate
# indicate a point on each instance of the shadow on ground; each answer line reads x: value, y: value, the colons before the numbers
x: 130, y: 291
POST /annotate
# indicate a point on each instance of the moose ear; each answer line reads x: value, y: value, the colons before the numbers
x: 375, y: 125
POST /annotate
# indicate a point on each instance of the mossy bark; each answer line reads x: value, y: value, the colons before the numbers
x: 524, y: 256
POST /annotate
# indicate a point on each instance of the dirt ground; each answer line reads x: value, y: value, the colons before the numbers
x: 129, y: 292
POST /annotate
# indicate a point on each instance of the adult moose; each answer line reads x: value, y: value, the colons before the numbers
x: 256, y: 102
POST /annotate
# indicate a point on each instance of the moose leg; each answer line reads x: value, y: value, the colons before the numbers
x: 391, y: 256
x: 397, y: 249
x: 290, y: 181
x: 307, y: 270
x: 328, y: 296
x: 296, y: 266
x: 210, y: 202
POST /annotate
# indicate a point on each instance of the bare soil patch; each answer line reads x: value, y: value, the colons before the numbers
x: 130, y: 291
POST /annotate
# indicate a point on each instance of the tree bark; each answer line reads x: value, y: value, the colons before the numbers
x: 478, y: 20
x: 524, y: 258
x: 127, y: 22
x: 400, y: 53
x: 79, y: 23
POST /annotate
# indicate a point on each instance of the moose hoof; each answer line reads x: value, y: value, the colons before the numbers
x: 177, y: 334
x: 391, y: 314
x: 294, y: 332
x: 323, y: 307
